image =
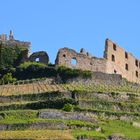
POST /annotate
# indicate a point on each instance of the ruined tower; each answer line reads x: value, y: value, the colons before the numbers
x: 11, y: 44
x: 11, y: 36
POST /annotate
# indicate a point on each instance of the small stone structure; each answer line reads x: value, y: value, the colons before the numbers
x: 115, y: 61
x: 39, y: 57
x: 11, y: 42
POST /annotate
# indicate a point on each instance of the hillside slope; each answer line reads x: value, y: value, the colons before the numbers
x: 41, y: 111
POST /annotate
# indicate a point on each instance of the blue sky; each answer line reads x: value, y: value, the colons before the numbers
x: 54, y: 24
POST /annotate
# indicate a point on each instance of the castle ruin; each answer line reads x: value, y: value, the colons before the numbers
x: 115, y: 61
x: 12, y: 42
x: 40, y: 56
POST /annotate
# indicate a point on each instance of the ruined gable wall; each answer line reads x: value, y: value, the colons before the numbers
x: 116, y: 61
x: 83, y: 61
x: 42, y: 57
x: 124, y: 63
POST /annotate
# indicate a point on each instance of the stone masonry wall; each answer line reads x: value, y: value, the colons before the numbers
x: 121, y: 62
x: 41, y: 56
x: 82, y: 60
x: 99, y: 78
x: 115, y: 61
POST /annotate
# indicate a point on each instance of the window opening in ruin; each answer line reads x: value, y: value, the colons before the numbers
x: 113, y: 58
x: 126, y: 55
x: 64, y: 55
x: 114, y: 47
x: 115, y: 71
x: 126, y: 66
x: 137, y: 74
x: 136, y: 63
x: 139, y: 64
x: 73, y: 61
x: 37, y: 59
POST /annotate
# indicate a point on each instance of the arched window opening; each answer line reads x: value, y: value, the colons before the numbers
x: 73, y: 61
x: 37, y: 59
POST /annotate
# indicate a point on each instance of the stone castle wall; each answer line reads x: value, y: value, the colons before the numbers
x: 115, y: 61
x: 40, y: 56
x: 121, y: 62
x: 10, y: 43
x: 100, y: 78
x: 82, y: 60
x: 6, y: 42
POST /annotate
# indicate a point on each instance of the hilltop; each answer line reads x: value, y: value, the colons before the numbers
x: 67, y: 100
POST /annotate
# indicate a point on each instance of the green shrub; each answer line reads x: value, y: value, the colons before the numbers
x: 68, y: 73
x: 68, y: 107
x: 30, y: 70
x: 87, y: 74
x: 7, y: 78
x: 34, y: 65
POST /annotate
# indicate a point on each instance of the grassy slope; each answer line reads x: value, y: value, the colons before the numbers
x: 29, y: 116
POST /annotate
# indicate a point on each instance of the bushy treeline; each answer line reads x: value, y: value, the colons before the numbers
x: 11, y: 56
x: 33, y: 70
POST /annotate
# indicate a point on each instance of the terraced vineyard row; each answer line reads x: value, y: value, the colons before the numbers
x: 33, y: 88
x: 41, y: 87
